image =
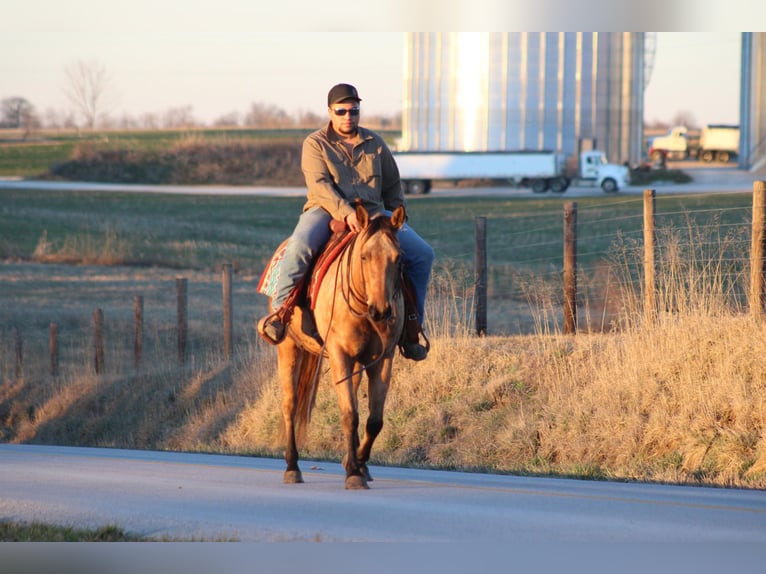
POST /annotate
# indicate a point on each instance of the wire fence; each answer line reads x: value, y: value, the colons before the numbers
x: 708, y: 256
x: 589, y: 269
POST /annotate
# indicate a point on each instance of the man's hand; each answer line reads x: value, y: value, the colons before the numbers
x: 353, y: 223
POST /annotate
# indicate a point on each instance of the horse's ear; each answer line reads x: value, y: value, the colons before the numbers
x: 398, y: 217
x: 362, y: 216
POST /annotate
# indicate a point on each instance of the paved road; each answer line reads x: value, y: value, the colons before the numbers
x: 227, y: 497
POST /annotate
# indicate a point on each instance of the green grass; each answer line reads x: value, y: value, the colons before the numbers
x: 202, y: 231
x: 15, y: 531
x: 33, y: 160
x: 11, y: 531
x: 36, y: 155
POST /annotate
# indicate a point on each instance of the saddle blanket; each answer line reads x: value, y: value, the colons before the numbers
x: 268, y: 282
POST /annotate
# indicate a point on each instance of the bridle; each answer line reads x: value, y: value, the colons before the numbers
x: 351, y: 293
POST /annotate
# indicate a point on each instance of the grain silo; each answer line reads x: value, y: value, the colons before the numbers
x: 753, y: 102
x: 524, y: 90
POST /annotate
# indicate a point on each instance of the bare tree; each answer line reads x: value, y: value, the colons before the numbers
x: 267, y: 116
x: 230, y: 120
x: 16, y: 112
x: 181, y: 117
x: 88, y: 88
x: 684, y: 118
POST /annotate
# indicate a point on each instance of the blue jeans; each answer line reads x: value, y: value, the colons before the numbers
x: 312, y: 233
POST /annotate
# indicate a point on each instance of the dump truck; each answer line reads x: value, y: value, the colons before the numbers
x: 715, y: 142
x: 719, y: 143
x: 539, y: 170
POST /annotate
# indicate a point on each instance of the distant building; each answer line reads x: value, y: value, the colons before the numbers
x: 752, y: 107
x: 561, y: 91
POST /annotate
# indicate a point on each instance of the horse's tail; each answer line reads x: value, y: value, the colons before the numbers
x: 308, y: 378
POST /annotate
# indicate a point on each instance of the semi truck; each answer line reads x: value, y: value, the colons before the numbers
x: 539, y: 170
x: 715, y: 142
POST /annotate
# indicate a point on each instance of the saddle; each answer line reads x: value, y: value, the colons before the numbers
x: 304, y: 295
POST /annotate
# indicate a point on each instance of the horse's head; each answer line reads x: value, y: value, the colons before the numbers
x: 379, y: 260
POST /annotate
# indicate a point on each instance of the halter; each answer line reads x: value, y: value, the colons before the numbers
x: 352, y: 293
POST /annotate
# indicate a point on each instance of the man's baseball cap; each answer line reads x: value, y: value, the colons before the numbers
x: 341, y: 93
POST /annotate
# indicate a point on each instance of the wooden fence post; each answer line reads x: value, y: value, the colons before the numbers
x: 758, y: 250
x: 570, y: 268
x: 181, y: 284
x: 138, y: 330
x: 650, y: 256
x: 228, y: 330
x: 98, y: 341
x: 53, y: 344
x: 480, y: 275
x: 18, y: 351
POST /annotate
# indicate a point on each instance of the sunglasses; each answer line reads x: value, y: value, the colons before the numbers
x: 344, y: 111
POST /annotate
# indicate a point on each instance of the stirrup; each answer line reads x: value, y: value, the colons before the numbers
x: 273, y: 320
x: 413, y: 351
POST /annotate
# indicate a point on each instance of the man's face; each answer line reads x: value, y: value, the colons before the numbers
x: 347, y: 123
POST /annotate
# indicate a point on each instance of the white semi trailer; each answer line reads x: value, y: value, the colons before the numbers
x: 539, y: 170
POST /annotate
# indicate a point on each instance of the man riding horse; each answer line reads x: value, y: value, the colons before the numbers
x: 344, y: 165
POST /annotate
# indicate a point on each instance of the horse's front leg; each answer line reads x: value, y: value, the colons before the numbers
x: 289, y: 361
x: 345, y: 385
x: 379, y: 378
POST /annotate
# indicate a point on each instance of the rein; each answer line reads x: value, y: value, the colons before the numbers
x: 351, y: 295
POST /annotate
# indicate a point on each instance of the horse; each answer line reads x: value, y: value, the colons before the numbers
x: 359, y: 317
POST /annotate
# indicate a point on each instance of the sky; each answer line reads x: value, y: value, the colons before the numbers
x: 219, y: 57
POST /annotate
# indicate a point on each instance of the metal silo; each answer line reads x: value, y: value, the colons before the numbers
x: 524, y: 90
x: 752, y: 109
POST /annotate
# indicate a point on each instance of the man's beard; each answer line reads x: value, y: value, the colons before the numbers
x: 349, y: 131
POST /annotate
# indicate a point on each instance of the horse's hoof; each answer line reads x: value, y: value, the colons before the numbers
x: 355, y: 482
x: 366, y: 473
x: 293, y: 477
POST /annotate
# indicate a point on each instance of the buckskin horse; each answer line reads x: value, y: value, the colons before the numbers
x: 359, y: 317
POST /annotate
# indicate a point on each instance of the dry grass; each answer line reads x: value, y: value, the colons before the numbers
x: 682, y: 400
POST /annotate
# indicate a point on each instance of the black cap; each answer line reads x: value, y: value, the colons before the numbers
x: 342, y: 92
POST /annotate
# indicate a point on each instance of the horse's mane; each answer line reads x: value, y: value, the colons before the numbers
x: 378, y: 224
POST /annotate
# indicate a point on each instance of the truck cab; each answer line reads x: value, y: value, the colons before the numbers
x: 595, y: 168
x: 673, y: 145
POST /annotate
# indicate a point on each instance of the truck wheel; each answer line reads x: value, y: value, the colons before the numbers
x: 539, y: 185
x: 609, y: 185
x: 723, y: 157
x: 417, y: 187
x: 657, y: 156
x: 706, y: 156
x: 559, y: 185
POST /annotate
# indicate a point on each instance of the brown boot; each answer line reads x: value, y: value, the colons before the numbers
x: 272, y: 328
x: 409, y: 345
x: 414, y: 351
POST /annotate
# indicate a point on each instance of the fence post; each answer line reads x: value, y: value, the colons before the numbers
x: 18, y: 351
x: 182, y: 324
x: 228, y: 331
x: 570, y: 268
x: 758, y: 250
x: 138, y: 330
x: 650, y: 256
x: 480, y: 275
x: 98, y: 341
x: 53, y: 344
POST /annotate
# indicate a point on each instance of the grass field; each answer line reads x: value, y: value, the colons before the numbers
x: 679, y: 400
x: 682, y: 400
x: 35, y: 155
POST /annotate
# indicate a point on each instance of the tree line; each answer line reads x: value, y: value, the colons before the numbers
x: 91, y: 96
